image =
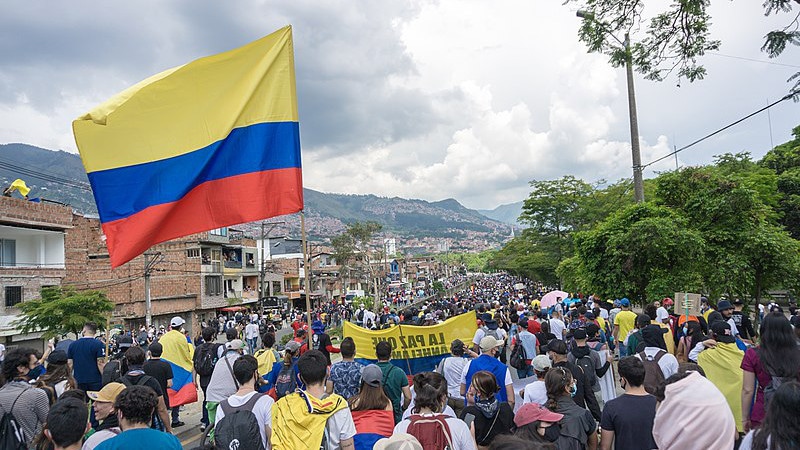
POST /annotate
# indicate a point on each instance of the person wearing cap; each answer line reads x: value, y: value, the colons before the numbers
x: 535, y: 392
x: 584, y: 395
x: 320, y: 340
x: 178, y: 351
x: 535, y: 423
x: 373, y: 412
x: 398, y: 441
x: 489, y: 328
x: 662, y: 315
x: 627, y: 421
x: 116, y: 367
x: 742, y: 321
x: 624, y: 324
x: 726, y: 309
x: 452, y: 368
x: 584, y: 356
x: 223, y: 384
x: 103, y: 404
x: 488, y: 361
x: 57, y: 379
x: 722, y: 363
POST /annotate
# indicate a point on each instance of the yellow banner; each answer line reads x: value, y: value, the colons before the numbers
x: 412, y: 341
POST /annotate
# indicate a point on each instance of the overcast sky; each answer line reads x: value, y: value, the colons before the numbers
x: 422, y: 99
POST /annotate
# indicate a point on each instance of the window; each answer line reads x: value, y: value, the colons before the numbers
x: 219, y: 231
x: 213, y: 285
x: 276, y: 287
x: 193, y: 253
x: 8, y: 252
x: 13, y: 295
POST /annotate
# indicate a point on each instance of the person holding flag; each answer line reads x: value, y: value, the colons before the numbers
x: 179, y: 354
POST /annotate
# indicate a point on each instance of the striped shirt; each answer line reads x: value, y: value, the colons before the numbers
x: 30, y: 410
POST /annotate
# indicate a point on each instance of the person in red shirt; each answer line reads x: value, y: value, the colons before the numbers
x: 533, y: 324
x: 300, y: 338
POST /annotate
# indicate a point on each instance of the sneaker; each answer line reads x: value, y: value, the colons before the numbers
x: 202, y: 427
x: 177, y: 424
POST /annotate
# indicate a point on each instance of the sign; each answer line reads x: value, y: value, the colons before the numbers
x: 414, y: 348
x: 686, y: 301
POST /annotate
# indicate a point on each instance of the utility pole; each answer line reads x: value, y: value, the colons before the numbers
x: 148, y: 269
x: 636, y: 155
x: 263, y: 272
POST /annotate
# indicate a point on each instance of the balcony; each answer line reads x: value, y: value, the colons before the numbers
x: 31, y: 248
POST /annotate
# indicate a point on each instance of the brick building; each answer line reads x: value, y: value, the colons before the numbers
x: 31, y: 257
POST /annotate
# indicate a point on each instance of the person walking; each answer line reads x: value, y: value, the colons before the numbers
x: 135, y: 406
x: 584, y: 395
x: 578, y: 429
x: 486, y: 416
x: 395, y: 383
x: 488, y: 361
x: 345, y: 377
x: 103, y: 404
x: 245, y: 369
x: 452, y: 368
x: 627, y: 421
x: 624, y: 322
x: 779, y: 429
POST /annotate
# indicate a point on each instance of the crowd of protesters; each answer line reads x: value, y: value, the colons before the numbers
x: 594, y: 374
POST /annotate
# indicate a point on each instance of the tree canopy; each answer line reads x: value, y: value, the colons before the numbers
x: 62, y: 310
x: 672, y: 35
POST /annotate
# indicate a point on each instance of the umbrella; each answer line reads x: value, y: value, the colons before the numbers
x: 549, y: 299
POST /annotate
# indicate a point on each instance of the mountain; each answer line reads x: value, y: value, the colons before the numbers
x: 505, y: 213
x: 418, y: 223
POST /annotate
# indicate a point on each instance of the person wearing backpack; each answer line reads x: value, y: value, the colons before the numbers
x: 524, y: 342
x: 267, y: 356
x: 433, y: 430
x: 774, y: 361
x: 627, y: 421
x: 283, y: 378
x: 584, y: 395
x: 589, y: 361
x: 658, y: 363
x: 117, y: 367
x: 136, y: 377
x: 22, y: 406
x: 205, y: 357
x: 308, y: 418
x: 247, y: 414
x: 223, y: 383
x: 320, y: 340
x: 395, y: 382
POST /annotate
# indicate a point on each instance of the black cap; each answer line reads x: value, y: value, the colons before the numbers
x: 125, y: 342
x: 592, y: 329
x: 58, y: 357
x: 738, y: 302
x: 557, y: 346
x: 722, y: 332
x: 579, y: 333
x: 723, y: 305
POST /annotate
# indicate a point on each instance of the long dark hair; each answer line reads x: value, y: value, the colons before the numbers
x: 368, y: 398
x: 695, y: 334
x: 779, y: 430
x: 778, y: 351
x: 530, y: 433
x: 55, y: 374
x: 556, y: 382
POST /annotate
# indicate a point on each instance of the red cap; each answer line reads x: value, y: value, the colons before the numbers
x: 531, y: 412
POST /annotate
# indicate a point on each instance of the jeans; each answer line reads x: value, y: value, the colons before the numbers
x: 251, y: 344
x: 623, y: 349
x: 176, y: 410
x: 86, y: 387
x: 525, y: 373
x: 204, y: 419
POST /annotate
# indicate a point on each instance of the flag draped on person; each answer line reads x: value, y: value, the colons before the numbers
x: 209, y: 144
x: 722, y: 365
x: 178, y: 352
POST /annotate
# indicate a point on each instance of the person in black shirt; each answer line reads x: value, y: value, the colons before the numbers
x: 742, y: 321
x: 627, y: 421
x: 135, y: 358
x: 584, y: 396
x: 320, y: 340
x: 162, y: 372
x: 487, y: 417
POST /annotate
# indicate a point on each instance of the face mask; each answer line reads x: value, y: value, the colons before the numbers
x: 685, y: 331
x: 552, y: 432
x: 573, y: 390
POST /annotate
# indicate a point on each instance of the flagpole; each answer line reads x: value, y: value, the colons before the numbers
x: 307, y: 271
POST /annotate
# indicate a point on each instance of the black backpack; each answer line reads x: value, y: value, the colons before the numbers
x: 112, y: 371
x: 206, y: 359
x: 239, y: 428
x: 11, y: 435
x: 141, y: 380
x: 518, y: 357
x: 586, y: 364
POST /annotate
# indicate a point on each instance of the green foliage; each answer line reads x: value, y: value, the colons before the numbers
x: 367, y: 301
x: 64, y: 310
x: 673, y: 34
x: 286, y: 338
x: 472, y: 262
x: 438, y: 286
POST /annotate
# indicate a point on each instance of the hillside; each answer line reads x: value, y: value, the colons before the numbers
x: 327, y: 214
x: 505, y: 213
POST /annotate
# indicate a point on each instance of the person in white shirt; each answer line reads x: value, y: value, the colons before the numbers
x: 662, y: 315
x: 251, y: 335
x: 557, y: 326
x: 536, y: 392
x: 428, y: 403
x: 667, y: 362
x: 245, y: 369
x: 452, y: 368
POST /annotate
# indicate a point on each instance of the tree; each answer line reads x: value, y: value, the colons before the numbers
x: 674, y: 37
x: 62, y: 310
x: 354, y: 246
x: 638, y: 252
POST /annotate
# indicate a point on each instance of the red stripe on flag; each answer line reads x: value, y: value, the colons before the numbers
x: 187, y: 394
x: 218, y: 203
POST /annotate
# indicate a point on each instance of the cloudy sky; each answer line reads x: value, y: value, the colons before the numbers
x: 424, y: 99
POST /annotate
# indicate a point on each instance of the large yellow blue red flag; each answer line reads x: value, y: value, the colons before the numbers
x: 212, y: 143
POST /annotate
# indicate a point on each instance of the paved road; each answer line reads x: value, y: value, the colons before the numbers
x: 190, y: 434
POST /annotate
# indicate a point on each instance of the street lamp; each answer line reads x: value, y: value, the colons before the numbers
x: 636, y: 156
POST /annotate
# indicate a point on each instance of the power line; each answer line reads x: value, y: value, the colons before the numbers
x: 754, y: 60
x: 49, y: 177
x: 786, y: 97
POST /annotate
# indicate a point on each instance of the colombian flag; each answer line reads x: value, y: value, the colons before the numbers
x: 179, y: 353
x: 213, y: 143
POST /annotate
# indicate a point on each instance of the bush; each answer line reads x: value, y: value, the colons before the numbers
x: 286, y: 338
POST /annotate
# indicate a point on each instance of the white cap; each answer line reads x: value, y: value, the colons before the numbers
x: 177, y: 321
